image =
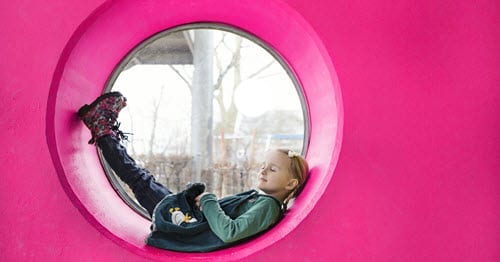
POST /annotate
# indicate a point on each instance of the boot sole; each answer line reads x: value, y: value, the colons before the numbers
x: 84, y: 109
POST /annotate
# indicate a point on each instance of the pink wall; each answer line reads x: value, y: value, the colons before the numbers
x: 417, y: 177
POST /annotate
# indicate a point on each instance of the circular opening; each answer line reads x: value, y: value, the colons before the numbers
x: 205, y: 101
x: 99, y: 45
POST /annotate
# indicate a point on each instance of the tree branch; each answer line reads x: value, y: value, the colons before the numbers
x: 181, y: 76
x: 260, y: 70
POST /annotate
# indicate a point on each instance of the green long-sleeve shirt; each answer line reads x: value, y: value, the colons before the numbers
x: 254, y: 216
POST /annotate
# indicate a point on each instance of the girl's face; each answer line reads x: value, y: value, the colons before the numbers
x: 274, y: 177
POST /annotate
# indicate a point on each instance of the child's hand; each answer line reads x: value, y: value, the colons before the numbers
x: 198, y: 198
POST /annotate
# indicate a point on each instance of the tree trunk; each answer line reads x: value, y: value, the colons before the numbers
x: 201, y: 108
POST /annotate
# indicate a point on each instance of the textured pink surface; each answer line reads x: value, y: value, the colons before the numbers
x: 417, y: 177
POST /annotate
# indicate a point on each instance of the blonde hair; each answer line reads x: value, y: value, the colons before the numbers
x: 299, y: 170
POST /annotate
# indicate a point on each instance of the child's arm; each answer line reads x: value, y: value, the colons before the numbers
x: 261, y: 215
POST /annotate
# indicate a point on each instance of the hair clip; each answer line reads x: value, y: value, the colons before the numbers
x: 292, y: 154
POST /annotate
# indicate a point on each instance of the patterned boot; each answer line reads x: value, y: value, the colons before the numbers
x: 100, y: 116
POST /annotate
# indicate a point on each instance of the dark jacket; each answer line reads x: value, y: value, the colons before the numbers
x: 197, y: 236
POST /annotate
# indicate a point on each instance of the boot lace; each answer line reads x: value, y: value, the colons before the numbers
x: 121, y: 135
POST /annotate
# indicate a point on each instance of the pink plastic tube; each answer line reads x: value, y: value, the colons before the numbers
x: 111, y: 34
x: 413, y: 100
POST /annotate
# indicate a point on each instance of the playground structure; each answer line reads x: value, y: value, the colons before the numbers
x: 403, y: 105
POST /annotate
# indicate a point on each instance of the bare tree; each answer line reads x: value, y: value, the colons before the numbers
x: 224, y: 173
x: 156, y: 108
